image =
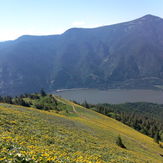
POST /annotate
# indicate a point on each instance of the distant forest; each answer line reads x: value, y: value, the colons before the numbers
x: 143, y: 117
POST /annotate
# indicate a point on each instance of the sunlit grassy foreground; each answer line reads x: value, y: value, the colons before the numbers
x: 80, y: 135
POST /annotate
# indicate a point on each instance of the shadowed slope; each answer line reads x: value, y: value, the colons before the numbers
x: 125, y: 55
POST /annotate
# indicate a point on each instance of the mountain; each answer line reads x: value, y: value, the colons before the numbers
x: 125, y: 55
x: 76, y: 134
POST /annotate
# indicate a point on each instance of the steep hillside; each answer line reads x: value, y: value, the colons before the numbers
x: 143, y: 117
x: 77, y: 135
x: 122, y: 55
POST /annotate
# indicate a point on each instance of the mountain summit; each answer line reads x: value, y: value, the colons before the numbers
x: 125, y: 55
x: 149, y: 16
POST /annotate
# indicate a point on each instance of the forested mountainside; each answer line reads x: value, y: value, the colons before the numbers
x: 125, y: 55
x: 144, y: 117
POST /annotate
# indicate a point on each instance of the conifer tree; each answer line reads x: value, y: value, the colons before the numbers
x: 42, y: 92
x: 85, y: 104
x: 119, y: 142
x: 157, y: 137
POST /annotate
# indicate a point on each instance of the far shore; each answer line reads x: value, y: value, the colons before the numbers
x: 70, y: 89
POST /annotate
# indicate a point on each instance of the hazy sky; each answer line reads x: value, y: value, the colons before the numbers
x: 42, y: 17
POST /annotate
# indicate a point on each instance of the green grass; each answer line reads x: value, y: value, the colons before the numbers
x: 76, y: 135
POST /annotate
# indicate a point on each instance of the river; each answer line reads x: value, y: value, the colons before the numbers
x: 112, y: 96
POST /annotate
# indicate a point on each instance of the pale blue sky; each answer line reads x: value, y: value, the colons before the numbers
x: 43, y: 17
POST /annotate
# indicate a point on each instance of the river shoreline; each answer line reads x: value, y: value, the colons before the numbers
x: 112, y: 96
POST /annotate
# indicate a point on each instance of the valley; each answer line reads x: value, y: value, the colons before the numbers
x: 81, y: 81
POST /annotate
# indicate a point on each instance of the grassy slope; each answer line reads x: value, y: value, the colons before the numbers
x: 80, y: 135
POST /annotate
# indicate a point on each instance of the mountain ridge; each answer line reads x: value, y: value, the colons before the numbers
x: 150, y: 16
x: 124, y: 55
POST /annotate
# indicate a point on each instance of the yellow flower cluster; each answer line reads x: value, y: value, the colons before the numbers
x: 28, y: 134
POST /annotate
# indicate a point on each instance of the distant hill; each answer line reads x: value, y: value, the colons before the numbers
x: 72, y: 134
x: 125, y: 55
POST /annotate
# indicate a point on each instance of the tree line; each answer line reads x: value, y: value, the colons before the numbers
x: 39, y: 100
x: 144, y: 122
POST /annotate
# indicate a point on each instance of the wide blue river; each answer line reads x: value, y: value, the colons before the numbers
x: 112, y: 96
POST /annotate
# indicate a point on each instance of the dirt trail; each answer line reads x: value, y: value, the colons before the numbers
x: 73, y: 107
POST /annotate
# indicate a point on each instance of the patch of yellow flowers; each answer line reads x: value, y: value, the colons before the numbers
x: 36, y: 136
